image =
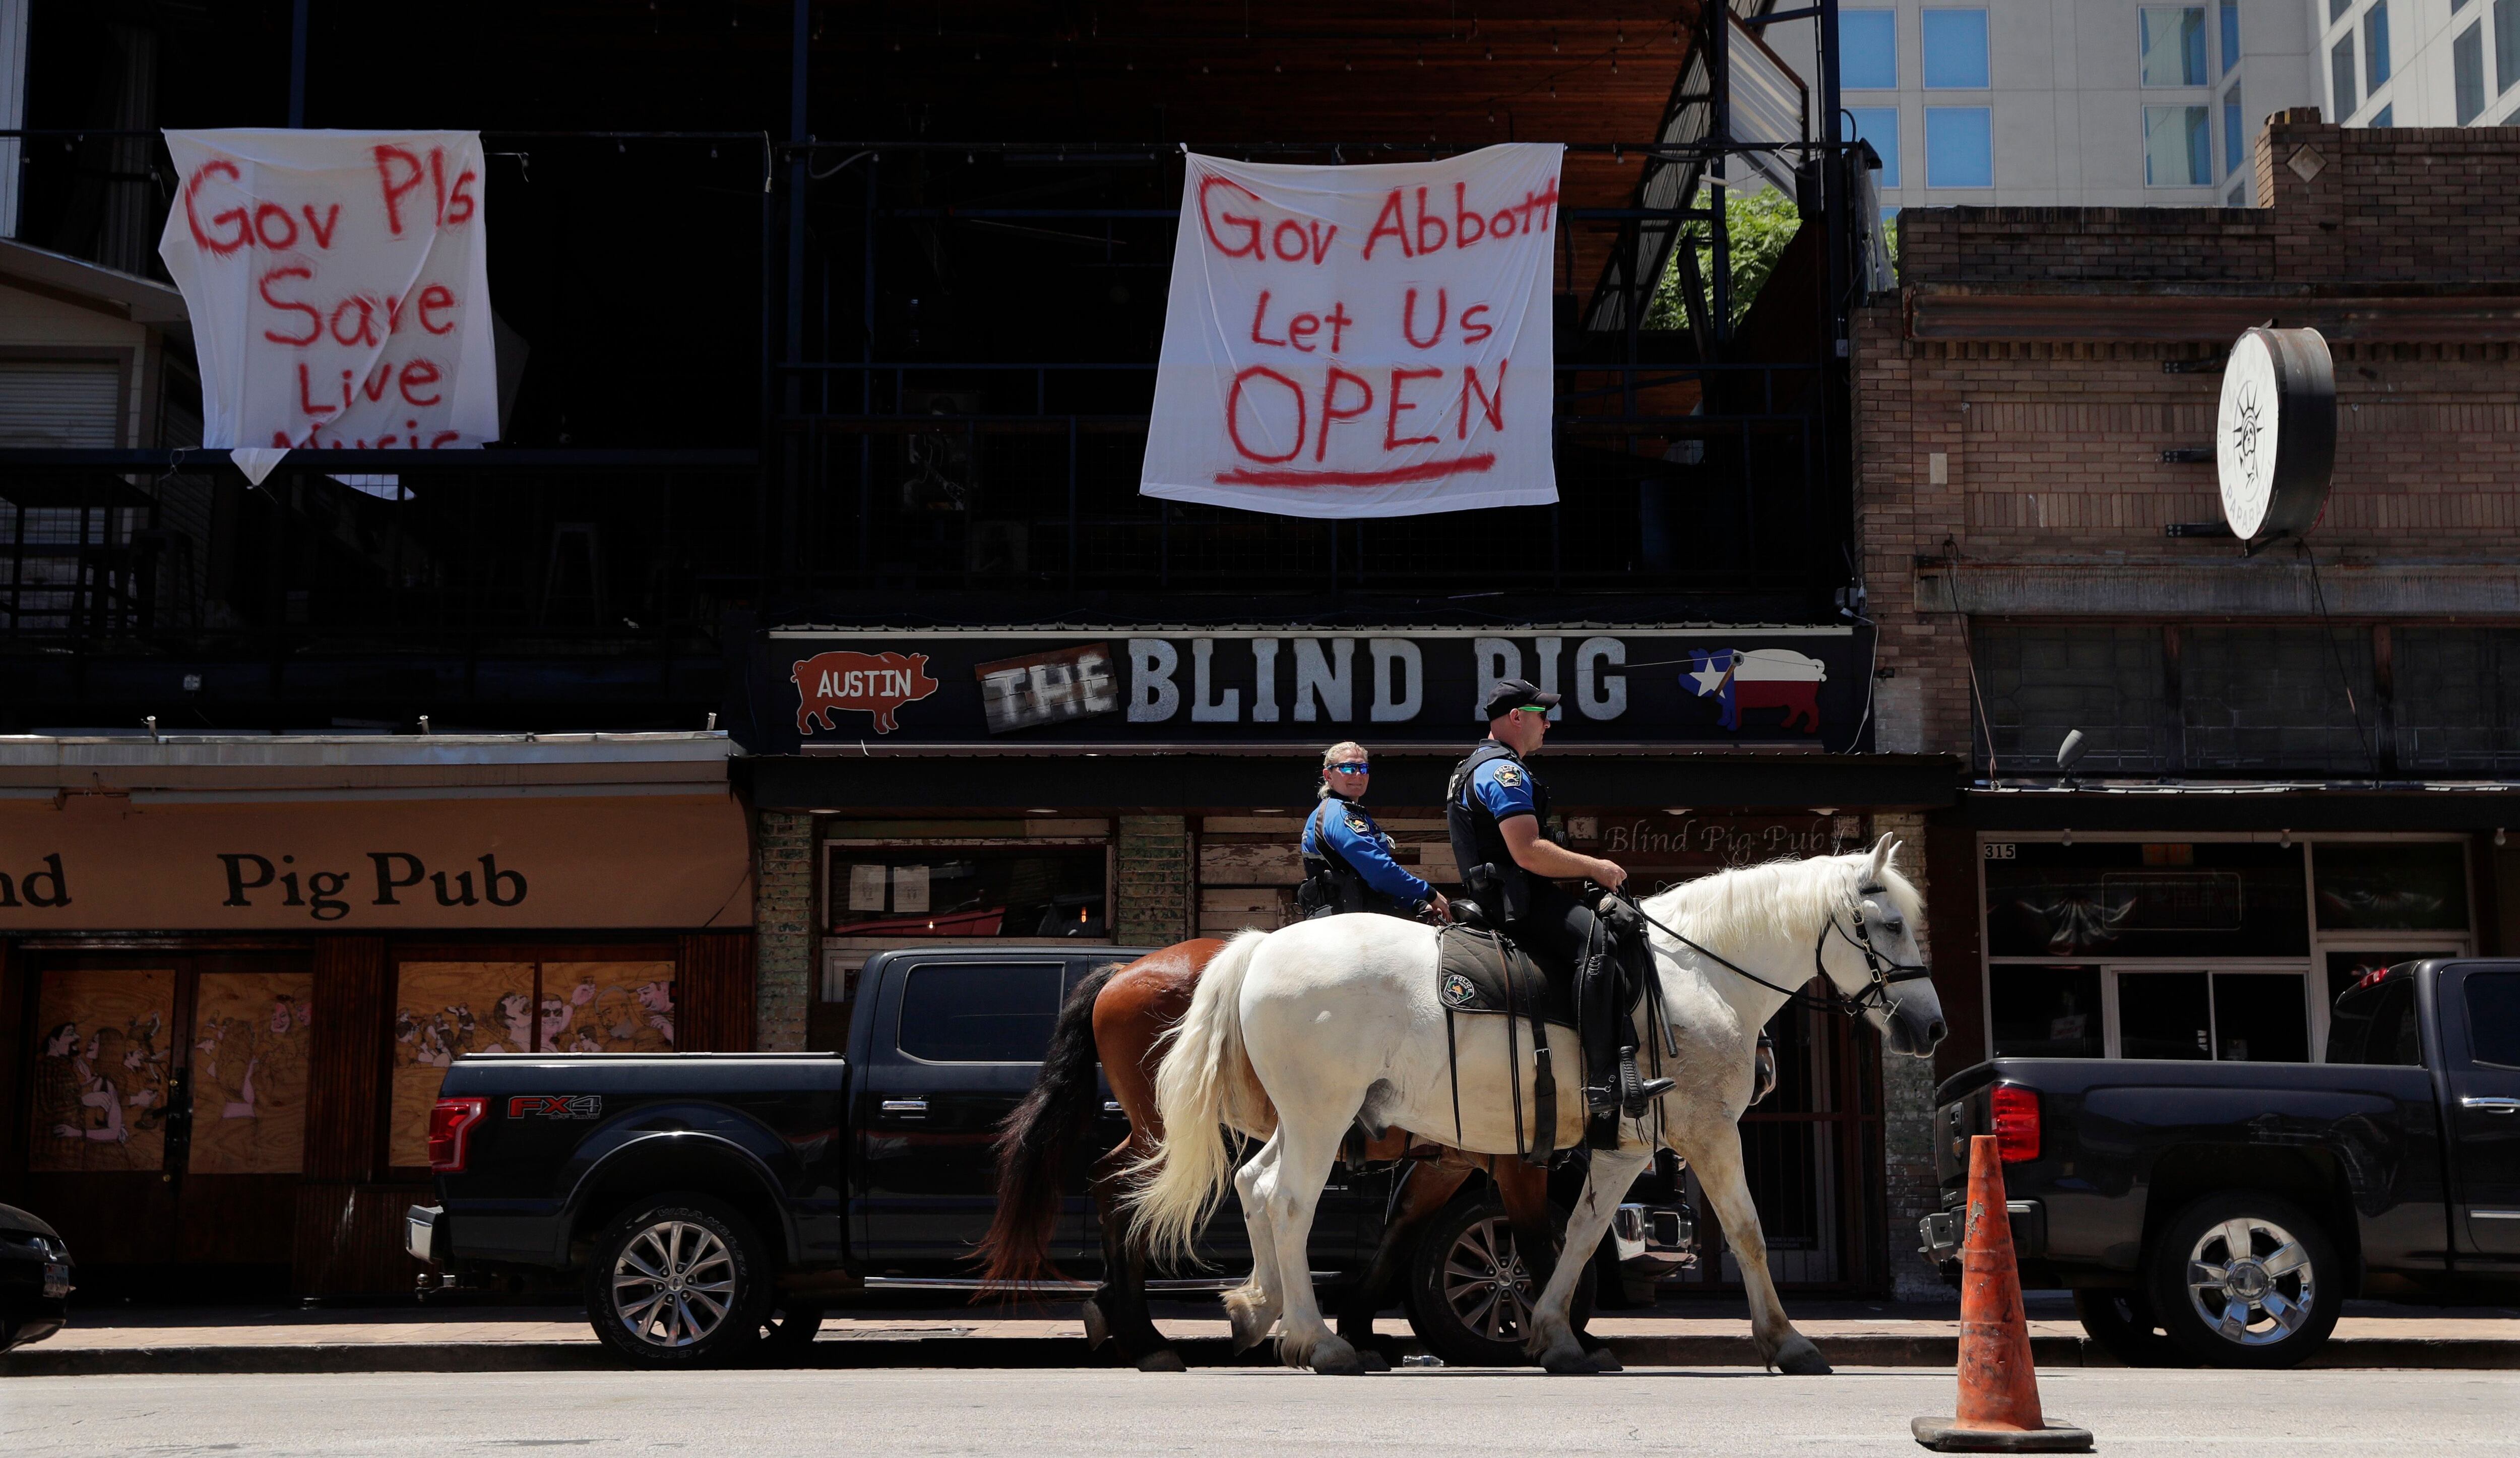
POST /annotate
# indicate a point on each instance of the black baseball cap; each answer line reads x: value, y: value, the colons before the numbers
x: 1511, y: 694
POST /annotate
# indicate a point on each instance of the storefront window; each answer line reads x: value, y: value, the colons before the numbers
x: 2047, y: 1011
x: 2165, y: 1015
x: 962, y: 893
x: 2405, y: 887
x: 2133, y: 899
x: 250, y: 1072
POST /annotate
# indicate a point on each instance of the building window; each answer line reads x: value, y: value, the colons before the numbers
x: 2235, y: 135
x: 1954, y: 46
x: 2041, y: 683
x: 2174, y: 45
x: 2386, y: 116
x: 2467, y: 71
x: 1960, y: 147
x: 962, y: 893
x: 2231, y: 35
x: 2506, y: 44
x: 2047, y: 1011
x: 1867, y: 50
x: 2239, y: 197
x: 2336, y: 9
x: 2457, y: 706
x: 2340, y: 76
x: 2375, y: 47
x: 2260, y: 696
x: 2177, y: 146
x: 1880, y: 125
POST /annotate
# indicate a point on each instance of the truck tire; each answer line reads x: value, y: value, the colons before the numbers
x: 1468, y: 1296
x: 2246, y: 1279
x: 2123, y: 1323
x: 678, y: 1280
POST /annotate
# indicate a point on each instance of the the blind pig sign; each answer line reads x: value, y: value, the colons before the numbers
x: 1359, y: 341
x: 339, y: 285
x: 1798, y: 687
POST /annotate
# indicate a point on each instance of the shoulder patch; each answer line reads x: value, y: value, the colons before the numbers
x: 1508, y: 774
x: 1357, y: 824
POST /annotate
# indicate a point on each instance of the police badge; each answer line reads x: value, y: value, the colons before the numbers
x: 1509, y: 775
x: 1457, y: 992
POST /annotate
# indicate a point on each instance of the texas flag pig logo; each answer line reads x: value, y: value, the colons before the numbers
x: 874, y: 683
x: 1747, y: 678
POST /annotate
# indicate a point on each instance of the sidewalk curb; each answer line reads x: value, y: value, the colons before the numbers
x: 985, y: 1352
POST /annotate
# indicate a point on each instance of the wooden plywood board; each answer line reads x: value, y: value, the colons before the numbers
x: 1252, y: 865
x: 443, y: 1010
x: 608, y: 1007
x: 104, y: 1048
x: 250, y: 1072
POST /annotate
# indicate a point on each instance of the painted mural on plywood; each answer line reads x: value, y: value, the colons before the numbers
x: 442, y: 1011
x: 250, y: 1072
x: 608, y: 1007
x: 103, y: 1052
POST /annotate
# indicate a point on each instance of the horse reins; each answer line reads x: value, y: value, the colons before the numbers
x: 1876, y: 994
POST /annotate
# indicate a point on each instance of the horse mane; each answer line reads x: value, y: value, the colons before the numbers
x: 1783, y: 898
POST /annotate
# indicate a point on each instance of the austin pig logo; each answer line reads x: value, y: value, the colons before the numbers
x: 876, y: 683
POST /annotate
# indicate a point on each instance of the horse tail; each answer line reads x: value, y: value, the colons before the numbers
x: 1034, y: 1141
x: 1179, y: 1183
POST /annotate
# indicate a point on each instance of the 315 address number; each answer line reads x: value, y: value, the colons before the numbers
x: 1999, y: 851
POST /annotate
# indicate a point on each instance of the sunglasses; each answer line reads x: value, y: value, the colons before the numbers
x: 1352, y: 769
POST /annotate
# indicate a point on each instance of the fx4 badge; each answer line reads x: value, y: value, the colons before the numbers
x: 555, y: 1106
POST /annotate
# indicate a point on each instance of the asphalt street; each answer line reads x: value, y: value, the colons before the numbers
x: 1733, y: 1413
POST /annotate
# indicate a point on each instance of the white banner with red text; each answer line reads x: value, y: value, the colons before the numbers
x: 339, y: 285
x: 1359, y: 341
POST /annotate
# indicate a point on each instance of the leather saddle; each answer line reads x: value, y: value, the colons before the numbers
x: 1481, y: 970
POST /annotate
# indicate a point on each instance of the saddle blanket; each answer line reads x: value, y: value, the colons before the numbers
x: 1470, y: 976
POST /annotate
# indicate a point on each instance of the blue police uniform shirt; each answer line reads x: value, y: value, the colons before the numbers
x: 1348, y: 830
x: 1503, y: 786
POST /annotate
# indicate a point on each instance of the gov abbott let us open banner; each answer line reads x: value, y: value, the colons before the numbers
x: 1359, y: 341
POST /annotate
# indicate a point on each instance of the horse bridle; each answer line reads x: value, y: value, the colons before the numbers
x: 1876, y: 993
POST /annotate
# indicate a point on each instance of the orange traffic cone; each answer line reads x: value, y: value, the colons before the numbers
x: 1999, y: 1410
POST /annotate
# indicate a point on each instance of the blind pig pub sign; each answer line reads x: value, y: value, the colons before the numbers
x: 101, y: 863
x: 1781, y: 688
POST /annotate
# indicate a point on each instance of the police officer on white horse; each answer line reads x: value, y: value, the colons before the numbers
x: 1497, y: 811
x: 1349, y: 864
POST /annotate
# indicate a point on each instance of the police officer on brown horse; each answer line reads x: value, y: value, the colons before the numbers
x: 1349, y: 863
x: 1497, y: 813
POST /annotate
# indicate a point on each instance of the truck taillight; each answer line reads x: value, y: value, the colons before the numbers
x: 2016, y: 1123
x: 450, y: 1131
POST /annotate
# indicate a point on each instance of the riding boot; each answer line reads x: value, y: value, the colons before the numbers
x: 1597, y: 1003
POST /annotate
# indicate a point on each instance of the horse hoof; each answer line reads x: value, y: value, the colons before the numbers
x: 1332, y: 1357
x: 1097, y: 1330
x: 1373, y: 1361
x: 1802, y: 1360
x: 1603, y: 1361
x: 1165, y: 1360
x: 1578, y: 1365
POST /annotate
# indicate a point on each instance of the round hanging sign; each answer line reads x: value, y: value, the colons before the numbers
x: 2274, y: 437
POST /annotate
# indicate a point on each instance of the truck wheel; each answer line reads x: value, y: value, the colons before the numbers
x: 1468, y: 1295
x: 2243, y: 1279
x: 678, y: 1280
x: 2123, y: 1323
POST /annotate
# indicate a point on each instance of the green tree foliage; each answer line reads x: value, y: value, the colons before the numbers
x: 1759, y: 227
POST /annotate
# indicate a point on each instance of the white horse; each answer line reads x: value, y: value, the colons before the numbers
x: 1330, y: 1020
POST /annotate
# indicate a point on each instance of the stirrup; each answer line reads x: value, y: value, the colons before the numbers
x: 1636, y: 1092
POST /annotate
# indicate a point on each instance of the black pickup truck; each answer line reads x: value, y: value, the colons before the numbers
x: 712, y: 1200
x: 2221, y: 1213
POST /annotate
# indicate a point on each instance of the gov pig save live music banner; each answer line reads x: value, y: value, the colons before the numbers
x: 1799, y: 687
x: 1359, y: 341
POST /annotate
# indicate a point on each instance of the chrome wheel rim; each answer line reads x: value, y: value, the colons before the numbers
x: 673, y: 1284
x: 2251, y: 1282
x: 1485, y: 1284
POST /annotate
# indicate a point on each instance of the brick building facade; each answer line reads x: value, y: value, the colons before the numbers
x: 2300, y: 760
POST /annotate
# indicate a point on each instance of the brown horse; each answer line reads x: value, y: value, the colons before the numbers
x: 1117, y: 1016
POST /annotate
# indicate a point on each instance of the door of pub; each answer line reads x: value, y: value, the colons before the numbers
x: 167, y: 1121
